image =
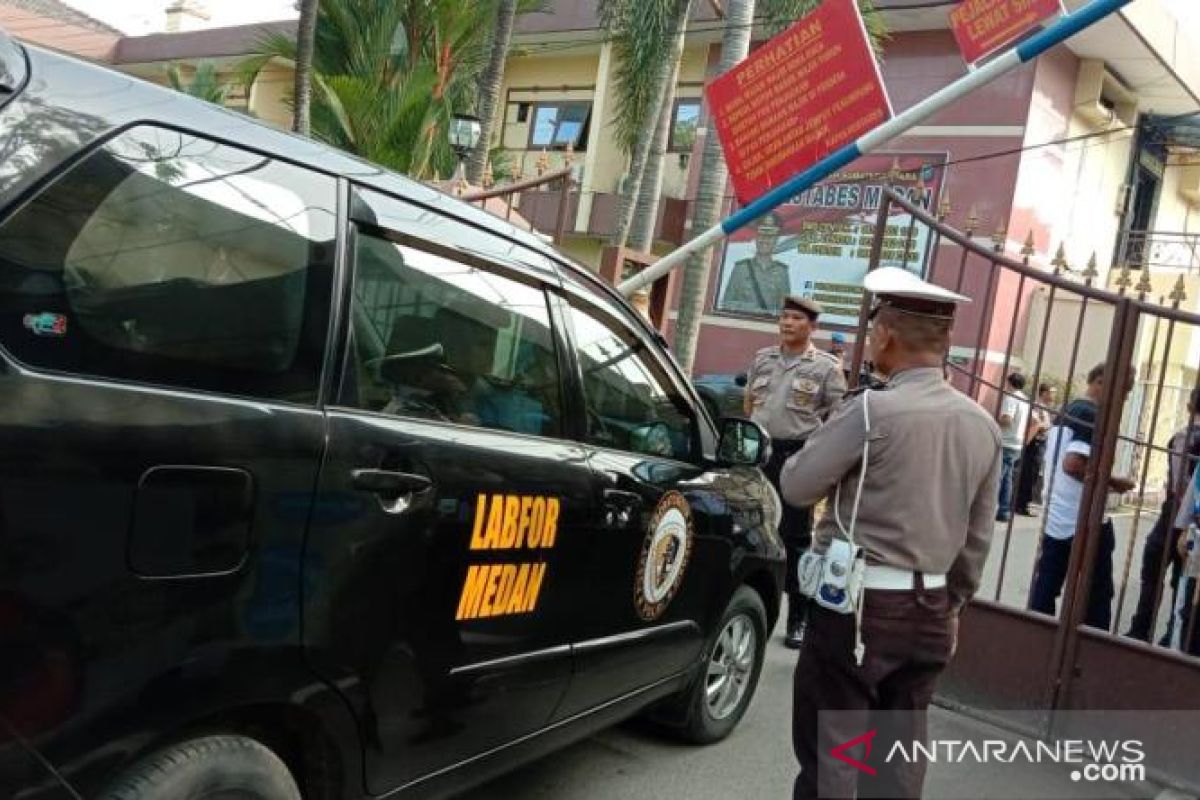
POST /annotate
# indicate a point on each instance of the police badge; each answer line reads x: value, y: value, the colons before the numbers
x: 665, y: 555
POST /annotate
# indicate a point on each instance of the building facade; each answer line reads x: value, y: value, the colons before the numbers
x: 1088, y: 149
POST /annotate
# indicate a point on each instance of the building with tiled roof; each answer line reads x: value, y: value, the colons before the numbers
x: 55, y: 25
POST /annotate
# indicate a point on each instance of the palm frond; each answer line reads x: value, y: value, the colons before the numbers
x: 205, y: 84
x: 641, y: 33
x: 780, y: 14
x: 388, y: 75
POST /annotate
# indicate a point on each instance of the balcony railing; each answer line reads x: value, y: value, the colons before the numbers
x: 1160, y: 250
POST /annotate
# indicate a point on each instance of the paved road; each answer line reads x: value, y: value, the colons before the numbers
x: 755, y: 763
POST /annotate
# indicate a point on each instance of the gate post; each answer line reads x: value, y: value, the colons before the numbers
x: 860, y: 336
x: 1093, y: 505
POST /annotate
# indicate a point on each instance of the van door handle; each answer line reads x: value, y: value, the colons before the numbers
x: 395, y: 489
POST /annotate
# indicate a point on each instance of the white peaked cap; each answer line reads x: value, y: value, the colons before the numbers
x: 901, y: 284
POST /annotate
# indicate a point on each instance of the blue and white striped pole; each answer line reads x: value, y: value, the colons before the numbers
x: 1059, y: 32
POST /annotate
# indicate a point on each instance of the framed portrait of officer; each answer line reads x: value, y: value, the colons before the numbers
x: 818, y: 245
x: 757, y: 283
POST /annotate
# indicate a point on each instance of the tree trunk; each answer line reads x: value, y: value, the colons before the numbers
x: 641, y: 151
x: 710, y: 197
x: 489, y: 90
x: 306, y: 34
x: 645, y: 214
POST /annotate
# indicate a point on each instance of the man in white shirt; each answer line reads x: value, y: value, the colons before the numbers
x: 1068, y: 448
x: 1014, y: 417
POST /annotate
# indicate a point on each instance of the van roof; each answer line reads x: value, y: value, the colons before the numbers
x: 145, y: 102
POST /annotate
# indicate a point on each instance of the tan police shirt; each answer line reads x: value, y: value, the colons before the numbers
x: 930, y: 494
x: 792, y: 395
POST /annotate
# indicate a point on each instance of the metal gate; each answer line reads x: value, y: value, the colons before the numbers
x: 1053, y: 325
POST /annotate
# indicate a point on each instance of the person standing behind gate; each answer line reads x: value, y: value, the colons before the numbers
x: 791, y: 388
x: 1068, y: 450
x: 1185, y: 636
x: 1029, y: 474
x: 913, y: 470
x: 1183, y: 451
x: 1014, y: 418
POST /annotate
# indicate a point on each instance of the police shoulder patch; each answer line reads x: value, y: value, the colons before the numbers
x: 665, y: 555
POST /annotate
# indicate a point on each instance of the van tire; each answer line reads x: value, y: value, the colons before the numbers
x: 700, y: 726
x: 199, y: 769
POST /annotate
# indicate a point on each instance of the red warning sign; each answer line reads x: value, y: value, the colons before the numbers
x: 809, y: 91
x: 984, y: 26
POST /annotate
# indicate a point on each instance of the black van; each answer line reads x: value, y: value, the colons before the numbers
x: 317, y: 483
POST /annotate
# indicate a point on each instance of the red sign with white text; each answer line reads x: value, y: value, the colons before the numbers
x: 810, y: 90
x: 984, y: 26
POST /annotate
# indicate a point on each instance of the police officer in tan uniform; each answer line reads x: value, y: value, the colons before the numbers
x: 790, y: 390
x: 924, y: 522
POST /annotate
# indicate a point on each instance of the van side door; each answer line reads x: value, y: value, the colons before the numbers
x: 449, y: 499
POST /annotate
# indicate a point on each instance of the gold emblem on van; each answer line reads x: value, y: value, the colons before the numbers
x: 665, y: 555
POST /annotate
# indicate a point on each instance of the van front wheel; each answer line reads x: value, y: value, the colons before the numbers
x: 733, y: 663
x: 207, y: 769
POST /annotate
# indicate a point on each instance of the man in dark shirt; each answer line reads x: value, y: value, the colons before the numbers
x: 1183, y: 451
x: 1068, y: 450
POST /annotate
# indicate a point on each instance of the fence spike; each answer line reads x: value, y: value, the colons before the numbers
x: 1124, y: 280
x: 944, y: 209
x: 516, y: 173
x: 1179, y: 293
x: 543, y: 163
x: 489, y: 176
x: 1060, y: 260
x: 999, y: 238
x: 972, y: 222
x: 1028, y: 249
x: 1091, y: 273
x: 1145, y: 286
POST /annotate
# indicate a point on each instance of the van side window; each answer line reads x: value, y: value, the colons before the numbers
x: 168, y: 259
x: 630, y: 402
x: 438, y: 339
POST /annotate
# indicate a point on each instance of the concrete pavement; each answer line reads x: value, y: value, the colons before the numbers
x: 630, y: 762
x: 1131, y: 530
x: 757, y: 761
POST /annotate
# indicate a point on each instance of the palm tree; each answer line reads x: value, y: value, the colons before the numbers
x: 492, y: 80
x: 306, y: 33
x: 388, y: 75
x: 644, y: 34
x: 489, y: 87
x: 710, y: 197
x: 205, y: 84
x: 645, y: 213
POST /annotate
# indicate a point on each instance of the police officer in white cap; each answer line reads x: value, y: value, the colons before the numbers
x: 911, y: 475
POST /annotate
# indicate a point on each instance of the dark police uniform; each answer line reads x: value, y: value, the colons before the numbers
x: 925, y: 521
x: 792, y: 395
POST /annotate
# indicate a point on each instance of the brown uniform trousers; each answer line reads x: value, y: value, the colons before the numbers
x: 909, y: 639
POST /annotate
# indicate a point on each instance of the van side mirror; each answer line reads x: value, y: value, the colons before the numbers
x: 742, y: 443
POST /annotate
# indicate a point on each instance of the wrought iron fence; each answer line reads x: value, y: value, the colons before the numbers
x: 1053, y: 325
